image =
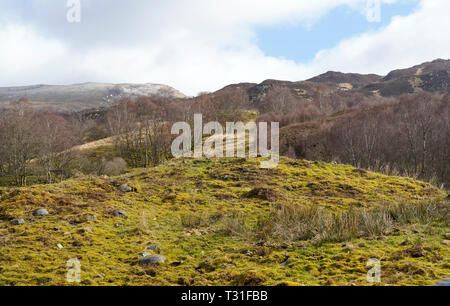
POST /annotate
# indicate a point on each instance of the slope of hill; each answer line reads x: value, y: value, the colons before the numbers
x: 83, y: 96
x: 431, y: 76
x: 219, y: 222
x: 354, y: 79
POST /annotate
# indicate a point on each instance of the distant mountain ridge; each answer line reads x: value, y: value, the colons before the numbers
x: 83, y: 96
x: 431, y: 76
x: 355, y: 79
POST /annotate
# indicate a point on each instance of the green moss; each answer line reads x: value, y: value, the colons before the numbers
x: 202, y: 214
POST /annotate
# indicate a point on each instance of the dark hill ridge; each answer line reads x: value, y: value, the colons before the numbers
x: 435, y: 66
x: 430, y: 76
x: 355, y: 79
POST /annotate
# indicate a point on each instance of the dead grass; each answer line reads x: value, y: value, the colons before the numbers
x: 295, y: 222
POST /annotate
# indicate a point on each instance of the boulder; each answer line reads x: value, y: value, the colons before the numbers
x: 152, y: 260
x: 90, y: 217
x: 40, y: 212
x: 18, y: 222
x: 125, y: 188
x: 119, y: 213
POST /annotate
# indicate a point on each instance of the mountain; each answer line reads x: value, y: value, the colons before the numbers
x: 430, y: 76
x: 83, y: 96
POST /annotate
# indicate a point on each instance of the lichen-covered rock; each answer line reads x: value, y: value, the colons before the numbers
x: 18, y: 222
x: 119, y: 213
x: 152, y: 248
x: 152, y: 260
x: 90, y: 217
x: 40, y: 212
x: 125, y: 188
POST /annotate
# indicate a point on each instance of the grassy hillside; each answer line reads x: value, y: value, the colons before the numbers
x: 227, y: 222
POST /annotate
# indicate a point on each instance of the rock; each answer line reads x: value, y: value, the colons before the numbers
x: 447, y: 236
x: 446, y: 242
x: 444, y: 283
x: 119, y: 213
x: 99, y: 276
x: 40, y: 212
x: 349, y: 247
x: 18, y: 222
x: 152, y: 248
x: 125, y: 188
x: 90, y: 217
x: 152, y: 260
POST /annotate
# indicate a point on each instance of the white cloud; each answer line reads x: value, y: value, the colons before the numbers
x: 197, y: 45
x: 406, y: 41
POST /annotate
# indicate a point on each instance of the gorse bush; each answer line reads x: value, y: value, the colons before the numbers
x: 295, y: 222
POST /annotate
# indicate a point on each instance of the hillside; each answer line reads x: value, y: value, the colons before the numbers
x: 225, y: 222
x: 354, y: 79
x: 83, y: 96
x: 431, y: 76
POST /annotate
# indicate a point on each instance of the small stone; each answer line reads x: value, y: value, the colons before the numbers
x: 119, y: 213
x: 152, y: 248
x: 446, y: 242
x: 152, y: 260
x: 40, y: 212
x: 447, y: 236
x: 59, y: 246
x: 90, y: 217
x: 18, y: 222
x: 125, y: 188
x: 349, y: 247
x: 99, y: 276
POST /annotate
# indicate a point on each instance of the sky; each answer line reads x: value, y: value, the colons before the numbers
x: 204, y: 45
